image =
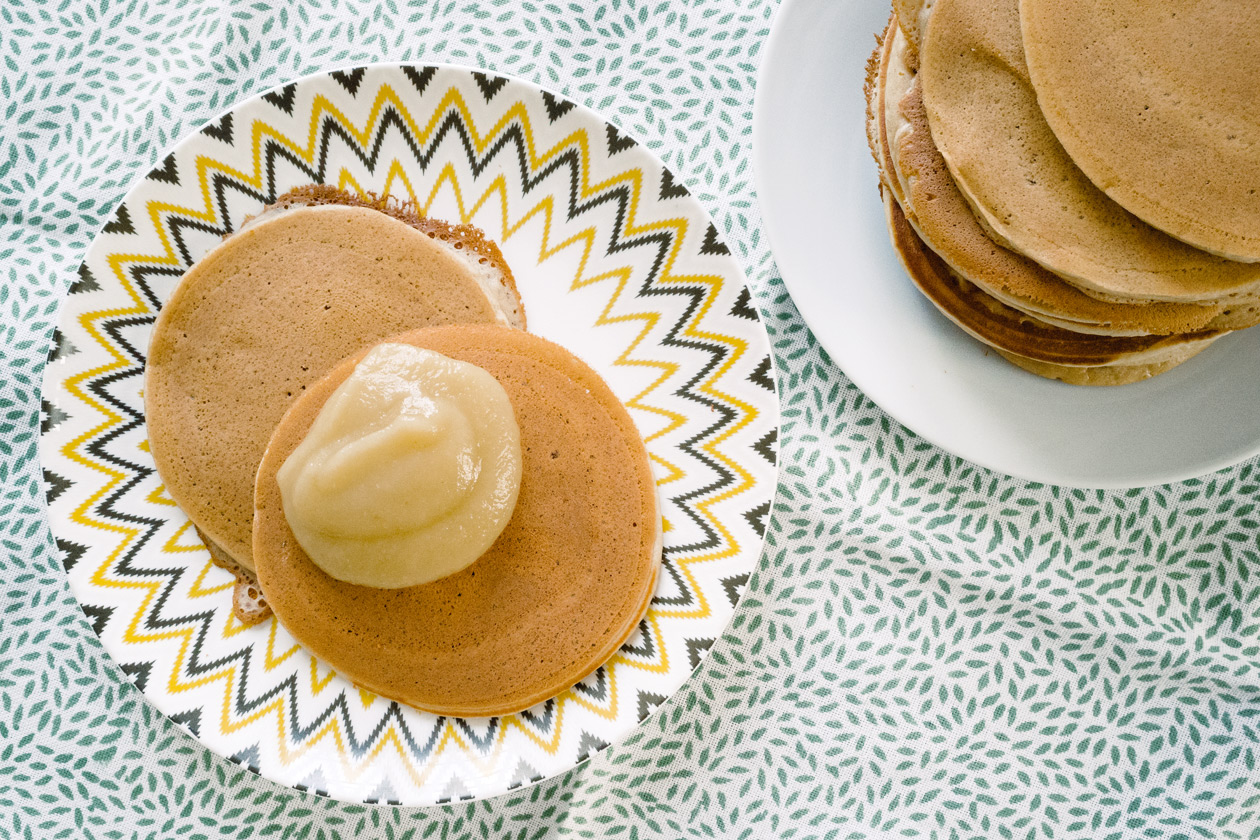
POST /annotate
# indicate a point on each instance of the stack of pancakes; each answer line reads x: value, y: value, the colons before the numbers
x: 1100, y: 266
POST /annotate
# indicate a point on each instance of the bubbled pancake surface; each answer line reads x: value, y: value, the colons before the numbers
x: 1024, y: 187
x: 1158, y: 102
x: 467, y: 242
x: 263, y: 316
x: 565, y: 584
x: 945, y: 221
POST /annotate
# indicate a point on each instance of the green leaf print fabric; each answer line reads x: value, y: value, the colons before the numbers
x: 927, y: 649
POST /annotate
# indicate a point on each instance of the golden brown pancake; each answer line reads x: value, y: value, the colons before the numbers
x: 562, y: 588
x: 871, y: 90
x: 1021, y: 335
x: 1023, y: 186
x: 1157, y: 103
x: 895, y: 82
x: 467, y: 243
x: 1060, y: 349
x: 1107, y: 375
x: 944, y: 220
x: 273, y: 308
x: 912, y: 18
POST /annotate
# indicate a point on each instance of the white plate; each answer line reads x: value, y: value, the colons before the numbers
x: 614, y: 259
x: 816, y: 182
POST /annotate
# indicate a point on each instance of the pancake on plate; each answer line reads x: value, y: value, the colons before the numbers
x: 564, y: 585
x: 260, y: 318
x: 1157, y: 103
x: 1040, y: 348
x: 943, y: 218
x: 1029, y: 315
x: 1024, y: 187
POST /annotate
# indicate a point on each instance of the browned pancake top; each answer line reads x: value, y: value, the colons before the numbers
x: 945, y: 220
x: 562, y: 588
x: 1156, y: 101
x: 1023, y: 185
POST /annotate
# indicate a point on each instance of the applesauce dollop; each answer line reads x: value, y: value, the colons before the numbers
x: 409, y: 473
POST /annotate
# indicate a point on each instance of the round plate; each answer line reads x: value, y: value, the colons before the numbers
x: 614, y: 260
x: 817, y: 184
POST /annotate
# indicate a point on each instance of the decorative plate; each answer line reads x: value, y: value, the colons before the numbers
x: 614, y: 259
x: 817, y: 185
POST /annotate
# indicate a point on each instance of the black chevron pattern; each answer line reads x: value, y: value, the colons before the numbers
x: 86, y: 282
x: 768, y: 446
x: 618, y: 142
x: 190, y: 720
x: 556, y: 107
x: 61, y: 346
x: 350, y: 79
x: 283, y: 98
x: 589, y: 745
x: 70, y: 553
x: 420, y: 76
x: 648, y: 701
x: 138, y: 672
x: 54, y: 485
x: 221, y: 130
x: 121, y: 223
x: 166, y: 172
x: 671, y: 188
x: 713, y: 244
x: 490, y: 85
x: 757, y: 518
x: 734, y: 587
x: 764, y: 374
x: 98, y: 617
x: 696, y: 649
x: 50, y: 416
x: 743, y: 308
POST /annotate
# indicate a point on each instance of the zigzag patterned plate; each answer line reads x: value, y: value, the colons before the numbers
x: 614, y: 259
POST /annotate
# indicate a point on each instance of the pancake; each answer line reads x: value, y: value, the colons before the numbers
x: 1063, y: 352
x: 1038, y: 347
x: 912, y: 18
x: 1102, y: 376
x: 270, y: 310
x: 896, y: 80
x: 944, y: 220
x: 886, y: 80
x: 562, y: 588
x: 1142, y: 93
x: 248, y: 603
x: 467, y: 243
x: 871, y: 90
x: 1023, y: 186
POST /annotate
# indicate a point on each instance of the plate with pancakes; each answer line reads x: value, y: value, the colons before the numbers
x: 980, y: 224
x: 409, y: 434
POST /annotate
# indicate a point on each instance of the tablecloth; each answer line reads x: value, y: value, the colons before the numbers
x: 927, y: 649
